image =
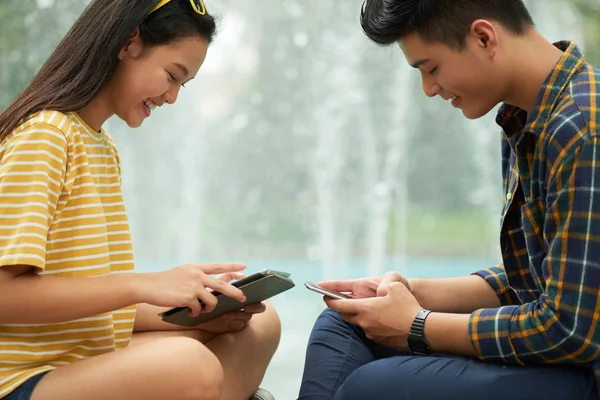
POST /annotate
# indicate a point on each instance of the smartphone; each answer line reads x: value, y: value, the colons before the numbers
x: 328, y: 293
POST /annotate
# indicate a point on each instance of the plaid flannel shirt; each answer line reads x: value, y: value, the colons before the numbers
x: 550, y: 236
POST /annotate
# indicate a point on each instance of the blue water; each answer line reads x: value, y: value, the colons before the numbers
x: 298, y: 308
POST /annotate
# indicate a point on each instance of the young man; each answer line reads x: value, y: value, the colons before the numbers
x: 526, y: 329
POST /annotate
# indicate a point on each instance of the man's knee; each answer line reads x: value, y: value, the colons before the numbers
x: 329, y: 318
x: 371, y: 381
x: 331, y: 322
x: 448, y: 378
x: 426, y: 378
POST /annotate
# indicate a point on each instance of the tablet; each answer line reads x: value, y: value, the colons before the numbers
x: 256, y: 287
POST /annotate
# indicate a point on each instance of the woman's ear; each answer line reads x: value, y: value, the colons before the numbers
x: 133, y: 46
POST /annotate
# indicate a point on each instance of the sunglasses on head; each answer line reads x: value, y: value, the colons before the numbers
x: 197, y: 5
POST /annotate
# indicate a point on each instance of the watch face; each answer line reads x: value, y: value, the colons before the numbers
x: 418, y: 346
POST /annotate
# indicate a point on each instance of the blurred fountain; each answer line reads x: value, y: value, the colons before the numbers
x: 387, y: 183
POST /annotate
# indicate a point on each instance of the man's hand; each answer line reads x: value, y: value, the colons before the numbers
x: 365, y: 287
x: 386, y: 319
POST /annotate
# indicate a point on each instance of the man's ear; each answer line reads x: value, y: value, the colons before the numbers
x: 485, y: 35
x: 133, y: 46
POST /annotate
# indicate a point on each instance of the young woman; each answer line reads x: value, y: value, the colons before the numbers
x: 70, y: 298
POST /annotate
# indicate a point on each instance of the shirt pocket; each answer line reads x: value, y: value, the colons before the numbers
x: 532, y: 220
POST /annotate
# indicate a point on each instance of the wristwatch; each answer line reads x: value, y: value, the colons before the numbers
x: 416, y: 336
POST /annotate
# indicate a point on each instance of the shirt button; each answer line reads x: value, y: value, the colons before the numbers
x: 508, y: 196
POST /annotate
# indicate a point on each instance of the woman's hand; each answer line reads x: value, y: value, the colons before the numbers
x: 236, y: 320
x: 233, y: 321
x: 187, y: 285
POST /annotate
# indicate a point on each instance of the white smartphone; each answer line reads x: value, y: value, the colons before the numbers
x: 328, y: 293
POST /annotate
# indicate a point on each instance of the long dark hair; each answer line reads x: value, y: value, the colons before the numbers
x: 86, y: 58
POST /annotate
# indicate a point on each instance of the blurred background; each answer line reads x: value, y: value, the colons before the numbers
x: 302, y: 147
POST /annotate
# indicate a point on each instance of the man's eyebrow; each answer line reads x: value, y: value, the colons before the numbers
x: 418, y: 63
x: 183, y: 69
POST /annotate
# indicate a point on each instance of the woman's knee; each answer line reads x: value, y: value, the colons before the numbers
x: 269, y: 326
x: 193, y: 364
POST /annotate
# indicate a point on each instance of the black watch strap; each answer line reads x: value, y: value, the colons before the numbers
x: 416, y: 336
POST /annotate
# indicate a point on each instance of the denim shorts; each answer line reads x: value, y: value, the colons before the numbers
x: 25, y: 391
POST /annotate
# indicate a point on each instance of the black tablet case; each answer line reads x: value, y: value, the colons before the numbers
x: 262, y: 285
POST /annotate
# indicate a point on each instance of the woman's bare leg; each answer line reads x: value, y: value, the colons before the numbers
x: 244, y: 355
x: 175, y: 368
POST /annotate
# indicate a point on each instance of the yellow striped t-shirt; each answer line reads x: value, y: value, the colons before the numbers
x: 61, y: 211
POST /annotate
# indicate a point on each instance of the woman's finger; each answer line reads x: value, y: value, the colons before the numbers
x: 195, y: 308
x: 224, y: 288
x: 238, y: 315
x: 222, y: 268
x: 209, y: 300
x: 230, y: 276
x: 256, y: 308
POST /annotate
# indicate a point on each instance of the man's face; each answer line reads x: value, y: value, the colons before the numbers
x: 467, y: 77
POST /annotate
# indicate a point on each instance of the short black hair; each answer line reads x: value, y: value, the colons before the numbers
x: 444, y: 21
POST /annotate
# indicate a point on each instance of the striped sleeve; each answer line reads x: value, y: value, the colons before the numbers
x: 32, y: 169
x: 562, y: 325
x: 114, y: 149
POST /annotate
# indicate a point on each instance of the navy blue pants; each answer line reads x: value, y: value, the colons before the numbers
x: 342, y: 364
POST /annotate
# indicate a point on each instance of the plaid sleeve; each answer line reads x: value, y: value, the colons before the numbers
x: 497, y: 279
x: 560, y: 326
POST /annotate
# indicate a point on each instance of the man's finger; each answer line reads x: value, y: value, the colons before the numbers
x: 351, y: 318
x: 338, y: 286
x: 397, y: 287
x: 343, y: 306
x: 390, y: 288
x: 391, y: 276
x: 388, y: 278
